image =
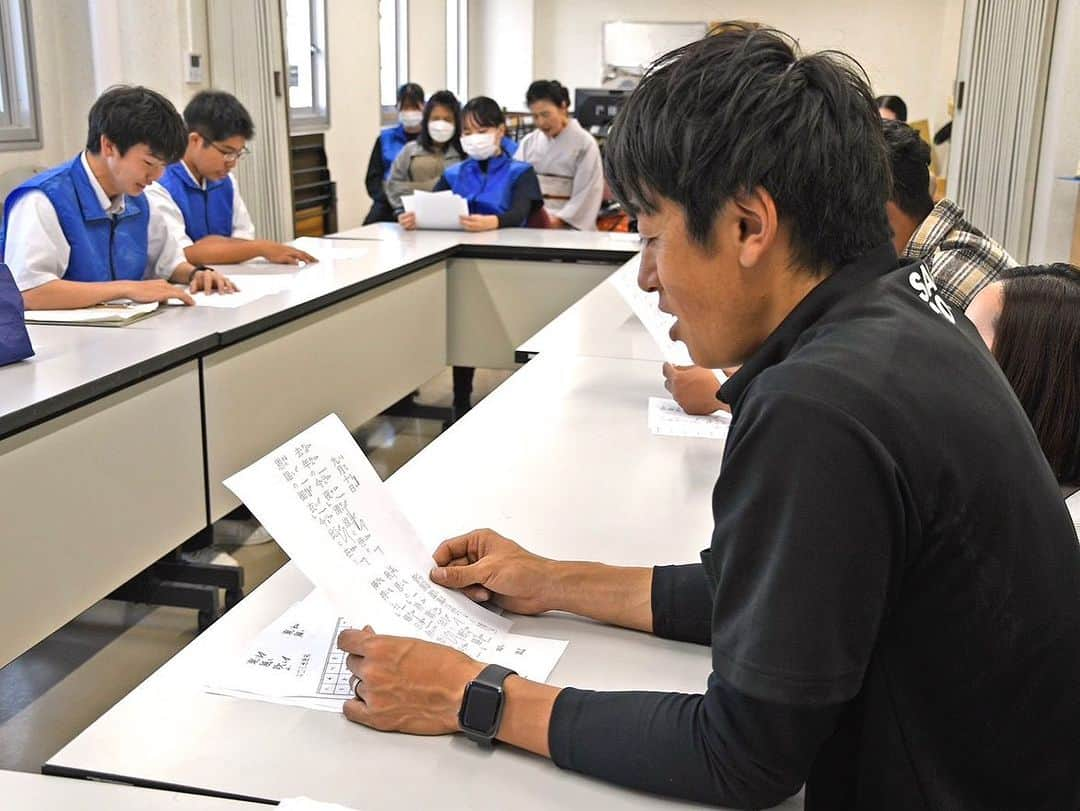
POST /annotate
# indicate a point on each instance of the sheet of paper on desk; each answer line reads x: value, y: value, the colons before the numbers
x: 666, y: 418
x: 323, y: 502
x: 295, y: 660
x: 440, y: 210
x: 326, y: 250
x: 646, y: 308
x: 110, y: 314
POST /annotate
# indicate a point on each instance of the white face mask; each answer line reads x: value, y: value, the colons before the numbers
x: 410, y: 119
x: 480, y: 145
x: 440, y: 131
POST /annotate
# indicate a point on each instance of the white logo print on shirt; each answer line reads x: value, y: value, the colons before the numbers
x: 923, y: 284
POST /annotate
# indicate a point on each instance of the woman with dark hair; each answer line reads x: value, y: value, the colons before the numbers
x: 892, y: 108
x: 502, y: 192
x: 1030, y: 319
x: 422, y: 162
x: 565, y: 157
x: 410, y: 104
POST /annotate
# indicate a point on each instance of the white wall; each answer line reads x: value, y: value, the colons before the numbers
x: 1055, y: 200
x: 353, y: 66
x: 427, y: 44
x: 501, y: 48
x: 908, y: 49
x: 132, y: 46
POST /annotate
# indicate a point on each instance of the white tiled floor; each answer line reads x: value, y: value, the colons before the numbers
x: 59, y: 687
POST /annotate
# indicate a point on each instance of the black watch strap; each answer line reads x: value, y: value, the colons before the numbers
x: 482, y: 705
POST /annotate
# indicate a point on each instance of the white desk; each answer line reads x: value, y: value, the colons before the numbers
x: 96, y: 493
x: 560, y: 458
x: 600, y: 325
x: 21, y: 791
x: 112, y: 420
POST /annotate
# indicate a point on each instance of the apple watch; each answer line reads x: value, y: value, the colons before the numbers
x: 482, y: 705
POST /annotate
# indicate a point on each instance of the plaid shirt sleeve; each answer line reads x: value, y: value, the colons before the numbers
x: 961, y: 259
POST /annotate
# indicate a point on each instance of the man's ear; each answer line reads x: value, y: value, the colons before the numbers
x: 193, y: 138
x: 107, y: 148
x: 758, y: 223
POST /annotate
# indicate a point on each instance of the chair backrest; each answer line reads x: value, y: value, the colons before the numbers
x: 13, y: 177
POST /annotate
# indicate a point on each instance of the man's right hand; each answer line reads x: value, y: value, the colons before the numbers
x: 157, y: 290
x: 407, y: 220
x: 486, y: 566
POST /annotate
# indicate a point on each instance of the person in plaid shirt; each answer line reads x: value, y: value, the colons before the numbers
x: 962, y: 260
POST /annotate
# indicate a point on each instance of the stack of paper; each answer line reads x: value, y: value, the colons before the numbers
x: 440, y: 210
x: 646, y: 308
x: 322, y: 501
x: 666, y: 418
x: 110, y: 314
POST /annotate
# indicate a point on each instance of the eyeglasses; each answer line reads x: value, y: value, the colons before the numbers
x: 230, y: 155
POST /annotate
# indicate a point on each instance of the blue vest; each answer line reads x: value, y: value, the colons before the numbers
x: 14, y: 339
x: 103, y: 248
x: 509, y: 145
x: 391, y: 141
x: 489, y: 192
x: 206, y: 211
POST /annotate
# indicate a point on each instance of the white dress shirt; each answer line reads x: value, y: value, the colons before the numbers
x: 165, y: 210
x: 37, y: 252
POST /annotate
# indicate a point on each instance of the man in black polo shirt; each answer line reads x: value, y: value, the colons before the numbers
x: 892, y: 590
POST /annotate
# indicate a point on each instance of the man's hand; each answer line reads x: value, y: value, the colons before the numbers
x: 479, y: 222
x: 157, y: 290
x: 693, y: 388
x: 278, y: 254
x: 486, y: 566
x: 211, y: 281
x: 406, y: 685
x: 407, y: 220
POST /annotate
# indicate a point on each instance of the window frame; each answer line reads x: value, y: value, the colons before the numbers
x: 316, y: 117
x: 389, y: 112
x: 457, y: 48
x: 20, y: 121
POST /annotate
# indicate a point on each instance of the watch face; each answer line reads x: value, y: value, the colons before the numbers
x: 481, y: 707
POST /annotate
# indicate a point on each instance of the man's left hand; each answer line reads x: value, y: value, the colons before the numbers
x: 406, y: 685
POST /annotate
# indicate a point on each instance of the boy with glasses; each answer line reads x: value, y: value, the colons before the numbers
x: 197, y: 199
x: 80, y: 234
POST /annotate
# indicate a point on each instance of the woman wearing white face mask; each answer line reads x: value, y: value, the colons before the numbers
x: 502, y: 193
x: 422, y: 162
x: 410, y: 104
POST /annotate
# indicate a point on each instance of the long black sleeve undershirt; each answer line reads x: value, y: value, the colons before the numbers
x: 373, y: 180
x: 525, y: 199
x: 723, y: 747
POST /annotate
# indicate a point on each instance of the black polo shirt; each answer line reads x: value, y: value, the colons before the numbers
x: 892, y: 591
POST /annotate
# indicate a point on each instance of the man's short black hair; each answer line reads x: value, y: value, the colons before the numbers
x: 547, y: 90
x: 740, y: 109
x: 909, y: 157
x: 137, y: 115
x: 218, y: 116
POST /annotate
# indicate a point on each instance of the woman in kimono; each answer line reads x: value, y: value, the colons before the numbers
x: 565, y: 157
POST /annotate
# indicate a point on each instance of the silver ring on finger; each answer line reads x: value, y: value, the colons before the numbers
x: 354, y: 685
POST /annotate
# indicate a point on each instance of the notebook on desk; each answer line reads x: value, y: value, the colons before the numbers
x: 109, y: 314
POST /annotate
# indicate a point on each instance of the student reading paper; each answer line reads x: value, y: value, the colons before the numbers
x: 891, y: 592
x: 80, y: 234
x: 198, y: 199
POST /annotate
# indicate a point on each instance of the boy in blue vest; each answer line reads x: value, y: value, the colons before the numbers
x: 197, y: 198
x: 80, y: 234
x: 391, y: 140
